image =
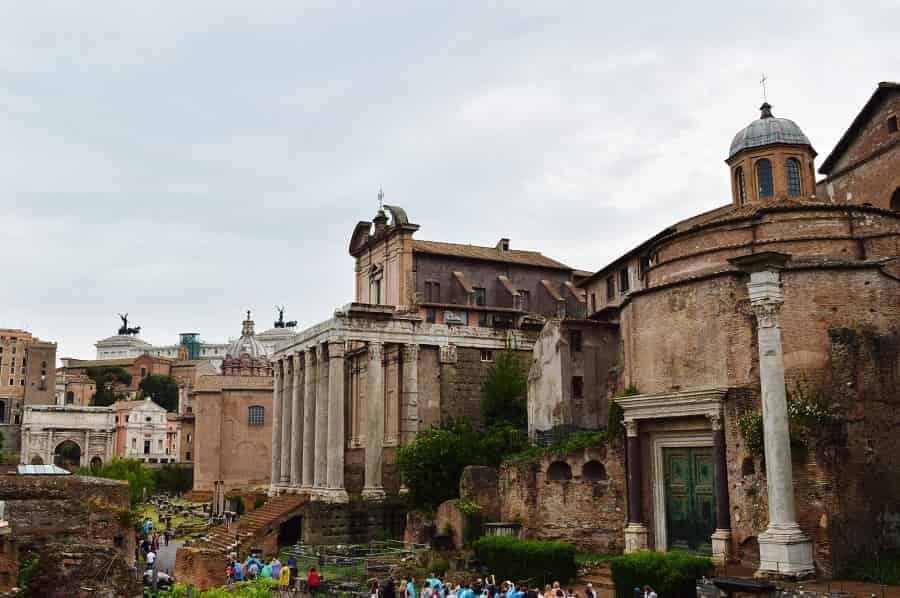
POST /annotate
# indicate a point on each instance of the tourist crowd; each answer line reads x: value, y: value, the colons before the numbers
x: 434, y: 587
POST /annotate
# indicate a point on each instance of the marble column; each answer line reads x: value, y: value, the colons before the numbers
x: 321, y: 463
x: 410, y: 418
x: 373, y: 488
x: 309, y: 421
x: 297, y: 421
x: 276, y: 428
x: 721, y: 538
x: 783, y: 548
x: 636, y: 535
x: 336, y: 438
x: 286, y: 413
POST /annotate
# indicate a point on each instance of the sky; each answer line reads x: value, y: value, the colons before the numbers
x: 186, y: 161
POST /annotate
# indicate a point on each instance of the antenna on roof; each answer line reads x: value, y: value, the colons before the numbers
x: 380, y: 198
x: 762, y: 82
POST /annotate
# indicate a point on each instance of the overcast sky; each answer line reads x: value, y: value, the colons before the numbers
x: 185, y: 161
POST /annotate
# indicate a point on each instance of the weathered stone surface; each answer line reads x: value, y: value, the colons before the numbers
x: 480, y: 485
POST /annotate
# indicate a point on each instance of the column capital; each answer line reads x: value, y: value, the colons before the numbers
x: 410, y: 351
x: 297, y: 358
x: 336, y: 348
x: 715, y: 419
x: 320, y: 352
x: 376, y: 350
x: 766, y: 313
x: 631, y: 427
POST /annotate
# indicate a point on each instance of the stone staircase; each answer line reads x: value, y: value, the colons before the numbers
x: 601, y: 578
x: 238, y: 537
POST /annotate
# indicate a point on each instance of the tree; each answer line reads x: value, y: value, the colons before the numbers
x: 174, y: 478
x: 432, y: 464
x: 106, y: 379
x: 503, y: 393
x: 139, y: 478
x: 163, y: 390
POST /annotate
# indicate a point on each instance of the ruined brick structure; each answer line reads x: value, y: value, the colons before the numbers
x: 80, y: 530
x: 748, y: 304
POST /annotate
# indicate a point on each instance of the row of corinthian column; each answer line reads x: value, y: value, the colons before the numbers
x: 308, y: 416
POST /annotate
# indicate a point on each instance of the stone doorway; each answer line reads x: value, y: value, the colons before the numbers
x: 690, y: 498
x: 289, y: 532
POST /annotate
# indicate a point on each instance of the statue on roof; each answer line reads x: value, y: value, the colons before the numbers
x: 124, y: 329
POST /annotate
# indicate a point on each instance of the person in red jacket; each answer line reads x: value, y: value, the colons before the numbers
x: 313, y: 581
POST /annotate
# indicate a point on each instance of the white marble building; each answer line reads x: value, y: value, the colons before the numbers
x: 46, y: 428
x: 142, y: 430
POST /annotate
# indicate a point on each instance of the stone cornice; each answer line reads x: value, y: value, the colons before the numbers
x: 701, y: 402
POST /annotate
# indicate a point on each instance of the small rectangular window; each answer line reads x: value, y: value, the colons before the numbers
x: 524, y: 300
x: 575, y: 340
x: 430, y: 315
x: 483, y: 319
x: 610, y: 289
x: 480, y: 296
x: 623, y: 280
x: 432, y: 291
x: 577, y: 387
x: 892, y: 124
x: 487, y: 355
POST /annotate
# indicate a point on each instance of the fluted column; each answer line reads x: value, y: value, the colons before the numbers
x: 636, y: 534
x: 276, y: 428
x: 783, y: 548
x: 410, y: 417
x: 286, y: 413
x: 336, y: 439
x: 309, y: 421
x: 373, y: 488
x: 321, y: 464
x: 297, y: 421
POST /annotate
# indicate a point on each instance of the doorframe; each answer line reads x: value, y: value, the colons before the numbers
x: 658, y: 442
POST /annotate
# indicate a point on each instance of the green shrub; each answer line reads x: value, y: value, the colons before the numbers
x: 174, y: 478
x: 515, y: 559
x: 140, y: 479
x: 258, y: 501
x: 439, y: 566
x: 240, y: 507
x: 670, y: 574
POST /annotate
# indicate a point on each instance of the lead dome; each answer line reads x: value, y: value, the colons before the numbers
x: 768, y: 130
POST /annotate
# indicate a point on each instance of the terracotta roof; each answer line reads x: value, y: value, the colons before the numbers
x: 478, y: 252
x: 95, y: 363
x: 216, y: 383
x: 883, y: 88
x: 752, y: 209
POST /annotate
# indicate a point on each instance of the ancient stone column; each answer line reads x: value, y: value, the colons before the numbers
x: 336, y: 439
x: 373, y: 488
x: 409, y: 422
x: 635, y: 532
x: 286, y: 413
x: 721, y: 538
x: 321, y: 471
x: 297, y: 422
x: 276, y: 428
x: 783, y: 548
x: 309, y: 421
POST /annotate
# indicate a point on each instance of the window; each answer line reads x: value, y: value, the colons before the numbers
x: 764, y: 178
x: 143, y: 372
x: 524, y: 300
x: 577, y: 387
x: 480, y: 296
x: 187, y: 456
x: 255, y: 415
x: 487, y: 355
x: 623, y: 280
x: 575, y: 340
x: 148, y: 419
x: 432, y: 291
x: 892, y: 124
x: 483, y: 319
x: 70, y: 399
x: 610, y: 289
x: 740, y: 185
x: 793, y: 177
x: 593, y: 302
x: 189, y: 438
x: 376, y: 292
x: 159, y: 444
x: 146, y: 447
x: 2, y: 412
x: 430, y: 315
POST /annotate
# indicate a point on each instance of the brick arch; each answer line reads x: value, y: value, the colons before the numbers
x: 559, y: 471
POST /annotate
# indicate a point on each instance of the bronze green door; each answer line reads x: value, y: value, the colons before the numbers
x: 690, y: 498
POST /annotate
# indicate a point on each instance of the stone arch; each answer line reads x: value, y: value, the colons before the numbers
x: 96, y: 462
x: 895, y: 200
x: 559, y: 471
x: 36, y: 460
x: 593, y: 471
x: 67, y: 454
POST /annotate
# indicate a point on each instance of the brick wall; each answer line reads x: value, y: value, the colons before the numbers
x: 589, y: 514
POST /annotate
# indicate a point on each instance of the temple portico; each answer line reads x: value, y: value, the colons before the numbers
x: 353, y: 382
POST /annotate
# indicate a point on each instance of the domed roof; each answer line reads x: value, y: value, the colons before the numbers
x: 767, y: 130
x: 247, y: 344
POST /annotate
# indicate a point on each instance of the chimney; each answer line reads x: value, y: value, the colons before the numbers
x: 502, y: 245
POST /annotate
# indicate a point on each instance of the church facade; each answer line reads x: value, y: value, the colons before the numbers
x: 759, y: 345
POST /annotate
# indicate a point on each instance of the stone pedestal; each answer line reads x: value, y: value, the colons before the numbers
x: 721, y: 546
x: 785, y: 552
x: 636, y: 538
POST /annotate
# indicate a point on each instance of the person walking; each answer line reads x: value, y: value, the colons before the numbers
x: 284, y: 579
x: 313, y: 581
x: 649, y: 593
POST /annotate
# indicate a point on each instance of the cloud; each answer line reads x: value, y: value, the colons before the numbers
x: 187, y: 162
